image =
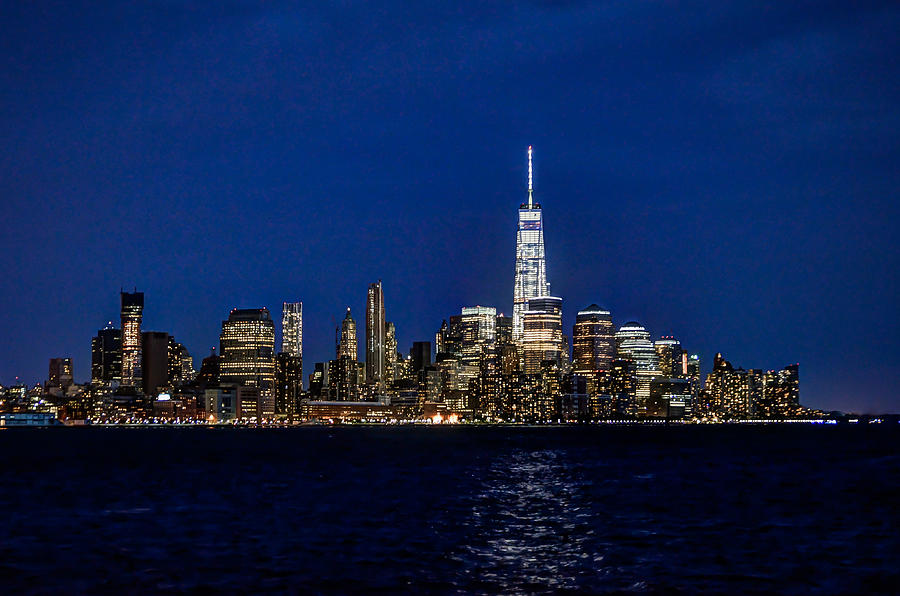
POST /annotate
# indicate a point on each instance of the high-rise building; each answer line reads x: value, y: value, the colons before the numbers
x: 346, y: 333
x: 288, y: 383
x: 420, y: 354
x: 247, y: 345
x: 60, y: 372
x: 292, y: 328
x: 391, y: 356
x: 542, y: 340
x: 181, y: 365
x: 132, y: 314
x: 633, y: 342
x: 531, y: 267
x: 375, y: 335
x: 155, y: 361
x: 671, y: 358
x: 106, y: 355
x: 593, y: 345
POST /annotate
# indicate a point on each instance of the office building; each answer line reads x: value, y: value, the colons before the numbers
x: 542, y: 340
x: 60, y: 373
x: 247, y: 348
x: 633, y: 342
x: 132, y: 315
x: 670, y: 356
x: 292, y: 328
x: 106, y: 355
x: 155, y: 361
x: 288, y: 384
x: 593, y: 343
x: 346, y: 338
x: 531, y: 267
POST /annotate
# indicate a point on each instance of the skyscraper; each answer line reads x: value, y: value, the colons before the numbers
x: 154, y: 361
x: 346, y: 344
x: 633, y: 342
x: 542, y: 339
x: 132, y: 314
x: 531, y: 268
x: 292, y: 328
x: 593, y: 345
x: 669, y: 353
x: 248, y: 349
x: 106, y: 355
x: 375, y: 335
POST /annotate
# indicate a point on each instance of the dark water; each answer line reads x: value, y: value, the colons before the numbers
x: 446, y: 510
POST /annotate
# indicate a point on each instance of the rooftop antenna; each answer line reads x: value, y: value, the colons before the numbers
x: 530, y: 180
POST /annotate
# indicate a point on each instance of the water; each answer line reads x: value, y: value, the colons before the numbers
x: 451, y: 510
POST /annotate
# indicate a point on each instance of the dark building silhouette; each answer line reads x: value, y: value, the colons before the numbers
x: 155, y: 357
x: 106, y: 355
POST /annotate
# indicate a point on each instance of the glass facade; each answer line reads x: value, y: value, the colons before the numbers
x: 292, y: 328
x: 375, y: 335
x: 531, y: 268
x: 248, y: 349
x: 132, y: 314
x: 542, y: 339
x: 592, y: 342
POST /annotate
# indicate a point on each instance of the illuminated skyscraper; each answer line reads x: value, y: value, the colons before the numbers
x: 346, y: 344
x: 672, y: 362
x: 592, y: 341
x: 248, y: 349
x: 633, y: 342
x: 292, y: 328
x: 132, y: 314
x: 531, y: 268
x: 375, y: 335
x: 543, y: 338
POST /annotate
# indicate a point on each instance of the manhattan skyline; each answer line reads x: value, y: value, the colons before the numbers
x: 745, y: 207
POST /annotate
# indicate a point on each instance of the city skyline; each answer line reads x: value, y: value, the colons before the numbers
x: 736, y: 192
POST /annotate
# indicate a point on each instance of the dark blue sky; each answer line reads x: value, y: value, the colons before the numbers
x: 725, y: 172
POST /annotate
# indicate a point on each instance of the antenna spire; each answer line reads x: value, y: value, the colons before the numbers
x: 530, y: 179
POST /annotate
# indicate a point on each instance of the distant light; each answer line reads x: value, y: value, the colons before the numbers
x: 164, y: 397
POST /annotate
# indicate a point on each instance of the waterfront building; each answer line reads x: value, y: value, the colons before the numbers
x: 132, y: 314
x: 670, y: 397
x: 781, y: 393
x: 593, y: 344
x: 292, y: 328
x: 543, y: 338
x: 531, y: 267
x: 288, y: 383
x: 106, y: 355
x: 247, y: 347
x: 346, y: 338
x: 376, y: 332
x: 617, y: 390
x: 155, y: 361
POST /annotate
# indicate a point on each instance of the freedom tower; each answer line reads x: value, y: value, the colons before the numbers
x: 531, y: 267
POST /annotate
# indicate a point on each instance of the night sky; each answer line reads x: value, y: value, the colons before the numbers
x: 725, y: 172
